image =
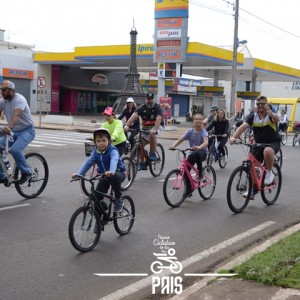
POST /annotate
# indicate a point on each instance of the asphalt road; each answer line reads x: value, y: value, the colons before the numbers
x: 39, y: 262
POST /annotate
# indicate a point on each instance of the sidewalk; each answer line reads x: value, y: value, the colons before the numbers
x: 209, y: 288
x: 88, y: 123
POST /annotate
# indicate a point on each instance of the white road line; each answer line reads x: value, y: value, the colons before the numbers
x: 46, y: 143
x: 38, y: 146
x: 139, y: 285
x: 58, y: 140
x: 14, y: 206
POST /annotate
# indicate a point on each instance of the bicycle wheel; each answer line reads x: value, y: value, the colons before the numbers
x: 222, y: 161
x: 295, y: 140
x: 210, y: 156
x: 40, y: 175
x: 231, y: 131
x: 129, y: 172
x: 271, y: 192
x: 247, y: 134
x: 208, y: 185
x: 86, y: 185
x: 124, y: 220
x: 135, y: 157
x: 156, y: 167
x: 85, y: 229
x: 278, y: 158
x: 174, y: 188
x: 239, y: 185
x: 284, y: 137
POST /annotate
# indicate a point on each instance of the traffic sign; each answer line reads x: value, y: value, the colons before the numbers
x: 41, y: 82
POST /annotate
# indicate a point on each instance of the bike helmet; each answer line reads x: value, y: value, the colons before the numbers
x: 214, y: 107
x: 150, y: 96
x: 109, y: 111
x: 129, y: 100
x: 103, y: 131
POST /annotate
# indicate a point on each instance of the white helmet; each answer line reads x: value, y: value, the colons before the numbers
x: 130, y: 100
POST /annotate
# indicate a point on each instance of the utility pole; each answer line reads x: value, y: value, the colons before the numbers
x: 234, y: 59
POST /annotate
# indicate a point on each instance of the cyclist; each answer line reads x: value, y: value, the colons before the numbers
x: 239, y: 118
x: 213, y: 112
x: 151, y: 115
x: 198, y: 140
x: 115, y: 128
x: 264, y: 123
x: 127, y: 113
x: 283, y: 121
x: 108, y: 161
x: 221, y: 127
x: 20, y: 122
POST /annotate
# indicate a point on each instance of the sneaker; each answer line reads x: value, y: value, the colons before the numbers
x: 118, y: 205
x: 269, y: 177
x: 251, y: 196
x: 225, y: 158
x: 152, y: 156
x: 201, y: 177
x: 142, y: 166
x: 24, y: 178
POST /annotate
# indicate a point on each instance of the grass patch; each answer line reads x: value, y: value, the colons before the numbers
x: 278, y: 265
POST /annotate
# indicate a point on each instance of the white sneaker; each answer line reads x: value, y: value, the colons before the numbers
x: 225, y: 159
x: 269, y: 177
x: 246, y: 194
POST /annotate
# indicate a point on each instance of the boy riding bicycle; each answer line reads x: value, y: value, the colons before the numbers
x: 108, y: 161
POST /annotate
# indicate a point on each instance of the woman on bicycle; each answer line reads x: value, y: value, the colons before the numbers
x: 115, y: 128
x: 108, y: 161
x: 283, y: 121
x: 198, y: 140
x: 239, y: 118
x: 127, y: 113
x: 221, y: 127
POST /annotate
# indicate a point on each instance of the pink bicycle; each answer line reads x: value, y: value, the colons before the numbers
x: 175, y: 184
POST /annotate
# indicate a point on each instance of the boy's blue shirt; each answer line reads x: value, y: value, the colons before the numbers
x: 107, y: 160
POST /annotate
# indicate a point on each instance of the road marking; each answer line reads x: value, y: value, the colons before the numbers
x: 121, y: 274
x: 14, y: 206
x: 146, y: 282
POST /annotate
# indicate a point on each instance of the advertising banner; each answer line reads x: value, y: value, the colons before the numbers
x: 166, y: 104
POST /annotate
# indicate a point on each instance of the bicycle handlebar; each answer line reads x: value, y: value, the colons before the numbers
x: 97, y: 176
x: 254, y: 145
x: 183, y: 151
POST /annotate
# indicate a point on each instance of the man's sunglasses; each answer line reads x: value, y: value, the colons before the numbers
x: 261, y: 103
x: 4, y: 90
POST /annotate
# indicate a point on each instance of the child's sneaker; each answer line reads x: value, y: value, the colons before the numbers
x: 118, y: 205
x: 152, y: 156
x: 142, y: 166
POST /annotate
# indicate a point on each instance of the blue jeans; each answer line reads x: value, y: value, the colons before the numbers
x: 22, y: 139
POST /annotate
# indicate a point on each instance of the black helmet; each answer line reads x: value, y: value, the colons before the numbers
x: 150, y: 96
x: 214, y: 107
x: 102, y: 130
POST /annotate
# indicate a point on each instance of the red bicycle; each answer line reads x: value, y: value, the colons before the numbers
x: 248, y: 179
x: 175, y: 183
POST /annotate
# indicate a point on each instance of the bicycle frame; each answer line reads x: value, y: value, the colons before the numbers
x: 253, y: 165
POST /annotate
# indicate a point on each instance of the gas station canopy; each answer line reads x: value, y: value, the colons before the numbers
x: 202, y: 60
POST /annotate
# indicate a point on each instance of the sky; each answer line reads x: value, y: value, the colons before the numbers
x: 271, y: 27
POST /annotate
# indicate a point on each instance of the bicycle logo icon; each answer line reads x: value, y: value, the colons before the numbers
x: 171, y: 262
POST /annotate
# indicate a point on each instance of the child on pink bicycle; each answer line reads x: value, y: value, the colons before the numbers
x: 198, y: 140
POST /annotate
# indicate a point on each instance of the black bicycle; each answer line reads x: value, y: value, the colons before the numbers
x: 141, y: 140
x: 88, y: 221
x: 213, y: 152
